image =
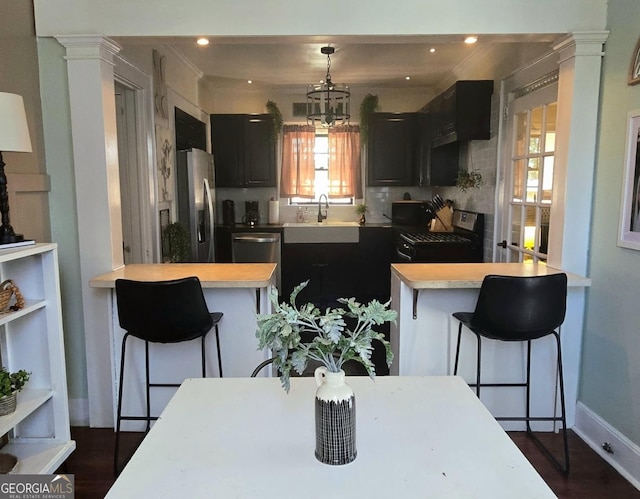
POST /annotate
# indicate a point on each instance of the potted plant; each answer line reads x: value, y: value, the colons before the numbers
x: 175, y: 243
x: 333, y: 343
x: 276, y: 116
x: 332, y: 338
x: 361, y: 209
x: 369, y: 105
x: 467, y: 180
x: 10, y: 385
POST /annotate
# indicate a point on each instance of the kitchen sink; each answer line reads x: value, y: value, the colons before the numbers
x: 321, y: 232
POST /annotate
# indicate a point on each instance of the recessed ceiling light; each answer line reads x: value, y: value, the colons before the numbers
x: 407, y: 77
x: 203, y: 41
x: 470, y: 40
x: 432, y: 50
x: 249, y: 82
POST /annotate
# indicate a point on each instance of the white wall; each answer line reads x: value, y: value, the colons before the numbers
x: 27, y: 182
x: 306, y: 17
x: 610, y: 381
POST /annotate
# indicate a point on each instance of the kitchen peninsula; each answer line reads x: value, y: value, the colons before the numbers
x: 424, y: 337
x: 238, y: 290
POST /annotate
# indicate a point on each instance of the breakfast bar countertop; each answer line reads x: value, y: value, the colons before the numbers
x: 470, y: 275
x: 211, y: 275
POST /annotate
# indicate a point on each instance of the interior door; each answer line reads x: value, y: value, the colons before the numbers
x: 529, y: 175
x: 132, y: 244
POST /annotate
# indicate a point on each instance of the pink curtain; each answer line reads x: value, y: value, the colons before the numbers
x: 345, y: 178
x: 298, y: 168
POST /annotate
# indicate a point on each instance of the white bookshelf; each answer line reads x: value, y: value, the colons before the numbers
x: 31, y: 339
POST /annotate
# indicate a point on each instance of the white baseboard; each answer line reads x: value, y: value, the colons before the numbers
x: 79, y: 412
x: 595, y: 431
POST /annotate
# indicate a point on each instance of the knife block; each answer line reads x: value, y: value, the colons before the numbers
x: 443, y: 221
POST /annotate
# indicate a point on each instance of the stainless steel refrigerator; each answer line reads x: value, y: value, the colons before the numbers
x: 196, y: 201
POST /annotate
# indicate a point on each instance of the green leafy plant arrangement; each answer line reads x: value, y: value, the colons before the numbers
x: 333, y: 342
x: 12, y: 382
x: 361, y: 209
x: 276, y: 116
x: 175, y: 243
x: 468, y: 180
x: 368, y: 106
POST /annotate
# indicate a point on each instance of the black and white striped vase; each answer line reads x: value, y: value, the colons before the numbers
x: 335, y: 418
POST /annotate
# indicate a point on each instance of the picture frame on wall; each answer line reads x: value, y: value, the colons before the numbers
x: 634, y: 67
x: 629, y: 235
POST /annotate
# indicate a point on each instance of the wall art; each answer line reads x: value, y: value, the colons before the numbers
x: 629, y: 236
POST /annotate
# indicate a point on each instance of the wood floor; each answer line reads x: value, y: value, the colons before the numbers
x: 590, y: 477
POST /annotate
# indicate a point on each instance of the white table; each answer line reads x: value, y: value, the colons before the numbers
x: 416, y: 437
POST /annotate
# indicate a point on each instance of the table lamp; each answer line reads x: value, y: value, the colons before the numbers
x: 14, y: 137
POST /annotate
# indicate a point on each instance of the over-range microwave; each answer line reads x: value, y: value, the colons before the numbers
x: 411, y: 212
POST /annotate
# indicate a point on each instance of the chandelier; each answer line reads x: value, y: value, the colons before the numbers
x: 328, y: 102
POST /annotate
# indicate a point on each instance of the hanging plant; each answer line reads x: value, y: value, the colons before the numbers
x: 276, y: 116
x: 368, y: 106
x: 468, y: 180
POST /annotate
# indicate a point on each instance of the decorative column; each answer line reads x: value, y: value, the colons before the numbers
x: 580, y: 61
x: 90, y: 63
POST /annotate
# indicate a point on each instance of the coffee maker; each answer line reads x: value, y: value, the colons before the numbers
x: 228, y: 212
x: 252, y: 213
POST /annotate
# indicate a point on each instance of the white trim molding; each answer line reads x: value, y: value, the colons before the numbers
x: 596, y: 432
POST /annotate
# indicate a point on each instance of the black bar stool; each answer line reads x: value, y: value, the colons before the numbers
x: 520, y: 309
x: 161, y: 312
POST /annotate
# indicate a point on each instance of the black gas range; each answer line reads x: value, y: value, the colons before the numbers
x: 463, y: 245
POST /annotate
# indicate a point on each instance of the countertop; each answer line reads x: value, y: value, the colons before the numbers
x: 470, y: 275
x: 211, y: 275
x: 263, y: 227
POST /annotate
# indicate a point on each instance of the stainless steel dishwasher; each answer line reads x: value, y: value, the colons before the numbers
x: 257, y: 247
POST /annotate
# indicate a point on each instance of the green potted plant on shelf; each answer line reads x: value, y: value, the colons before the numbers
x: 276, y: 117
x: 10, y: 385
x: 368, y: 106
x: 332, y: 341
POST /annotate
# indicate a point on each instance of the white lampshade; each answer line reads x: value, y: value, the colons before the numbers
x: 14, y: 132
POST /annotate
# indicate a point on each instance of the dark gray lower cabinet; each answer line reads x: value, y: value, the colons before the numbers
x: 339, y: 270
x: 329, y: 267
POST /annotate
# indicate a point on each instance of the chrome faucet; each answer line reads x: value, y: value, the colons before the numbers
x: 322, y: 217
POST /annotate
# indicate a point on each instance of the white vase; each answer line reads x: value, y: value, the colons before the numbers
x: 335, y: 413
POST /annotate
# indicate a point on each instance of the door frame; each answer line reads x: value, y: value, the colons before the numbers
x: 140, y: 83
x: 533, y: 96
x: 534, y: 72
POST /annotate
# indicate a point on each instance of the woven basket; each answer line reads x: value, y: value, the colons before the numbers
x: 8, y: 404
x: 7, y: 290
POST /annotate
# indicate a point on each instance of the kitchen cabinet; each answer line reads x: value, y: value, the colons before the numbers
x: 243, y: 150
x: 31, y: 339
x: 375, y: 254
x: 341, y: 270
x: 329, y: 267
x: 390, y: 151
x: 462, y: 112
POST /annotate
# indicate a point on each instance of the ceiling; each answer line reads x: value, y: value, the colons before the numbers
x: 359, y: 61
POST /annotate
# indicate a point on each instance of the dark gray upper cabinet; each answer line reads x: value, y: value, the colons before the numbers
x: 243, y: 150
x: 391, y: 155
x: 462, y: 112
